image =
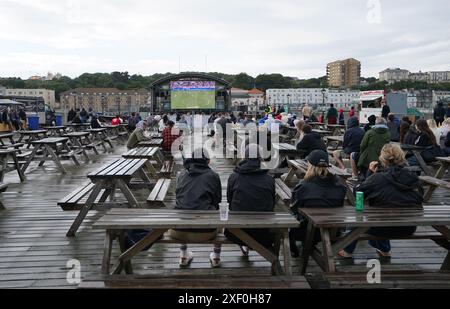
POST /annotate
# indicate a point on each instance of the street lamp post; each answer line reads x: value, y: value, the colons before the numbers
x: 324, y: 91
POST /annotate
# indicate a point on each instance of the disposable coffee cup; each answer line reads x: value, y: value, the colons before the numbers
x: 224, y: 211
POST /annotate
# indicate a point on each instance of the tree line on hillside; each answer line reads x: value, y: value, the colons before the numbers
x: 125, y: 81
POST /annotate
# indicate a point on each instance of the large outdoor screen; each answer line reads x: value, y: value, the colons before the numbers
x: 193, y: 95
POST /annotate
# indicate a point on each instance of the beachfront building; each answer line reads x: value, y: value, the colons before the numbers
x: 46, y: 94
x: 394, y: 75
x: 108, y: 101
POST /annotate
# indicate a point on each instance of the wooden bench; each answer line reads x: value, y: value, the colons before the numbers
x: 283, y: 192
x: 3, y: 188
x: 189, y: 281
x: 167, y: 169
x: 72, y: 201
x: 159, y: 192
x: 390, y: 280
x: 434, y: 183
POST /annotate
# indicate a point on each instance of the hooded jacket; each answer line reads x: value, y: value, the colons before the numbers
x: 198, y: 187
x: 371, y: 146
x: 309, y: 143
x: 393, y: 187
x: 353, y: 136
x: 320, y: 192
x: 250, y: 188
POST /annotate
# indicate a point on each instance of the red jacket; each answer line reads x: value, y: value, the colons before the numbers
x: 168, y: 139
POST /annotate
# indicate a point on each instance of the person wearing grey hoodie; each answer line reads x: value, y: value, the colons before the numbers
x: 198, y: 188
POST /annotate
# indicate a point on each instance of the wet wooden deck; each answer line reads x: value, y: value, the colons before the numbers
x: 34, y: 250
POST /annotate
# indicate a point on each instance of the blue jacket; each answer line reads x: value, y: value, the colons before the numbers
x: 353, y: 136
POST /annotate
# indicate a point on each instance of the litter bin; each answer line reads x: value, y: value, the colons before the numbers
x: 33, y: 123
x: 59, y: 120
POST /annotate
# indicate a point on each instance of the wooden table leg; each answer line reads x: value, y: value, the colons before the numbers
x: 55, y: 159
x: 445, y: 231
x: 107, y: 252
x: 422, y: 163
x: 290, y: 175
x: 73, y: 156
x: 84, y: 211
x: 127, y: 192
x: 327, y: 251
x: 22, y: 176
x: 439, y: 175
x: 287, y: 253
x: 32, y: 155
x: 79, y: 145
x: 308, y: 247
x: 4, y: 159
x: 263, y: 251
x: 92, y: 143
x: 122, y: 243
x: 44, y: 156
x: 137, y: 248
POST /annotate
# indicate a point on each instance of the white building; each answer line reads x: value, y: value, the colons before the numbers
x: 47, y: 95
x: 251, y: 101
x: 438, y: 77
x: 313, y: 96
x: 394, y: 75
x: 419, y: 77
x: 440, y: 96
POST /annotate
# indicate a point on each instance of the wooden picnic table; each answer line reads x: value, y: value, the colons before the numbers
x: 56, y: 130
x: 301, y: 167
x: 56, y: 148
x: 112, y: 131
x: 10, y: 138
x: 156, y: 142
x: 436, y: 181
x: 31, y: 136
x: 148, y: 153
x: 323, y: 132
x: 337, y: 129
x: 100, y: 138
x: 285, y: 151
x: 117, y: 221
x: 80, y: 142
x: 417, y: 152
x: 337, y: 140
x: 5, y: 154
x: 76, y: 127
x: 106, y: 180
x: 329, y: 219
x: 317, y: 125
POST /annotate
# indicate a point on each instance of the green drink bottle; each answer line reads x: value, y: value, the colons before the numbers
x: 359, y: 201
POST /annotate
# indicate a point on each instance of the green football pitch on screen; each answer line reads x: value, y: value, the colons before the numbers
x: 187, y: 99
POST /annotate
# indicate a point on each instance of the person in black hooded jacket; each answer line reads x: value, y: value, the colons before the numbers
x: 311, y: 141
x: 198, y: 188
x: 392, y: 186
x: 352, y: 142
x: 318, y: 189
x: 250, y: 188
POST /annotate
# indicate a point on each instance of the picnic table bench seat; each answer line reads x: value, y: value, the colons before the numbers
x: 390, y: 280
x: 159, y: 193
x: 283, y: 192
x: 71, y: 201
x: 184, y: 282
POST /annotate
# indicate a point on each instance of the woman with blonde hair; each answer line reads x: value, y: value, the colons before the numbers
x: 434, y: 128
x: 319, y: 189
x: 391, y: 185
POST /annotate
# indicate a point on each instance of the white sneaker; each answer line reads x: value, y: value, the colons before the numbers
x: 186, y: 260
x: 215, y: 260
x: 245, y: 251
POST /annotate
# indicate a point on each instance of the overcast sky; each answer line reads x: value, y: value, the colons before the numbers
x: 292, y: 37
